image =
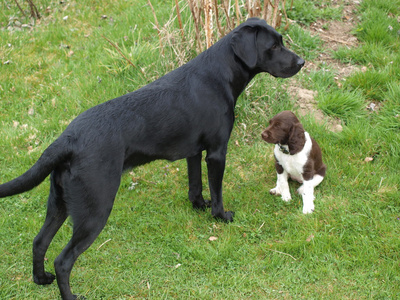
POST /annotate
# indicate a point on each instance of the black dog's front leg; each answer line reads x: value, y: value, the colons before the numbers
x: 195, y: 183
x: 216, y: 167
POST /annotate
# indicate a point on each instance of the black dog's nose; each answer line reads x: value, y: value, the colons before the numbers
x: 300, y: 62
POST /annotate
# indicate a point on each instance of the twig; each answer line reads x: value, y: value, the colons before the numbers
x: 34, y: 12
x: 282, y: 253
x: 380, y: 183
x: 221, y: 33
x: 20, y: 8
x: 157, y: 26
x: 335, y: 40
x: 261, y: 226
x: 286, y: 17
x: 238, y: 14
x: 178, y: 13
x: 196, y: 15
x: 275, y: 15
x: 103, y: 244
x: 208, y: 22
x: 120, y: 52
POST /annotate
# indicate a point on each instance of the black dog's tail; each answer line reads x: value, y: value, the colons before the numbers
x: 55, y: 154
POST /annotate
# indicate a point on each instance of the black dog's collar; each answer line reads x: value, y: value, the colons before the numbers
x: 283, y: 149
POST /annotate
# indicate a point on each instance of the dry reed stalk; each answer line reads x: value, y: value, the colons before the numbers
x: 286, y: 17
x: 226, y: 11
x: 120, y: 52
x: 178, y: 13
x: 238, y: 14
x: 254, y: 8
x: 34, y: 11
x: 196, y: 16
x: 208, y: 26
x: 20, y: 8
x: 275, y: 16
x: 220, y: 31
x: 212, y: 19
x: 157, y: 27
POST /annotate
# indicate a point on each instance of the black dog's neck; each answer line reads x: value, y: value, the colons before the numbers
x: 235, y: 72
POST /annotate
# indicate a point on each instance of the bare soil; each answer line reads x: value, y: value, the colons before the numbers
x: 334, y: 34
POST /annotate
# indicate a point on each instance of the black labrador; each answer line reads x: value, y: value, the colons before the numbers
x: 183, y: 113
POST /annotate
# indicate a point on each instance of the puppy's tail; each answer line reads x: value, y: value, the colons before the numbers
x: 55, y: 154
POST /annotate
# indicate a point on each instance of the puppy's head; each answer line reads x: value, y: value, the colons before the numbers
x: 285, y: 129
x: 260, y: 47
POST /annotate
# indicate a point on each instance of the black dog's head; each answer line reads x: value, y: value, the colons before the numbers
x: 260, y: 47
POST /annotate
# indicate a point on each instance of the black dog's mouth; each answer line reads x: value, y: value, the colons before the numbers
x: 288, y: 72
x: 291, y: 69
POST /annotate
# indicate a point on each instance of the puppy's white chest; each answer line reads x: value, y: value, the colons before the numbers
x: 294, y: 164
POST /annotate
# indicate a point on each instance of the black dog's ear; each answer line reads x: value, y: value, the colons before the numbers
x: 244, y: 45
x: 297, y: 139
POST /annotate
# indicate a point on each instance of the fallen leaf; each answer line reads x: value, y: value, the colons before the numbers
x: 310, y: 238
x: 368, y: 159
x: 213, y: 238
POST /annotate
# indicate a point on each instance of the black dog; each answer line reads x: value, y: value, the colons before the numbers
x: 189, y: 110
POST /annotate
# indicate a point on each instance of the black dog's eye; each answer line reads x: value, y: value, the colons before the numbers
x: 274, y: 47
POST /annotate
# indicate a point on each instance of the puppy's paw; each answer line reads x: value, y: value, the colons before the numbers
x: 308, y: 209
x: 286, y: 197
x: 300, y: 190
x: 275, y: 191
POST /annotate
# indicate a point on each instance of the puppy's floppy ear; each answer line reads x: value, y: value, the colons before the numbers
x: 297, y: 139
x: 244, y: 45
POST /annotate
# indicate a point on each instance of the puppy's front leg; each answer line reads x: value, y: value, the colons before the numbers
x: 282, y: 186
x: 216, y: 167
x: 307, y: 193
x: 195, y: 182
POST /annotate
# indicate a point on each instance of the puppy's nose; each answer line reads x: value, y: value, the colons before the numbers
x: 264, y: 135
x: 300, y: 62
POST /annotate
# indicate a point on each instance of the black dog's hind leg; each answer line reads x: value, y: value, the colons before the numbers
x: 89, y: 213
x: 195, y: 182
x: 55, y: 217
x: 216, y: 167
x: 84, y: 234
x: 85, y: 231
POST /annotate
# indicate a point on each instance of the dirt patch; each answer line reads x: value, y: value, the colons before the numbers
x: 334, y: 34
x: 307, y: 105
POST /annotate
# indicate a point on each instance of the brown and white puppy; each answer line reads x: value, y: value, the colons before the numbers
x: 297, y: 156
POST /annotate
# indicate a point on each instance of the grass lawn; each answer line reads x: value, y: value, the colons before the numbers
x: 155, y: 246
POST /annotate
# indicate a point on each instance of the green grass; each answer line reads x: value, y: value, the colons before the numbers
x: 309, y: 47
x: 155, y: 246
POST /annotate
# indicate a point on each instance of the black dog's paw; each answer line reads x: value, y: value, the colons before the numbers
x: 47, y: 279
x: 201, y: 205
x: 226, y: 217
x: 229, y: 216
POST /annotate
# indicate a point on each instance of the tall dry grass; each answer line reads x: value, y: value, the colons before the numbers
x: 195, y: 25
